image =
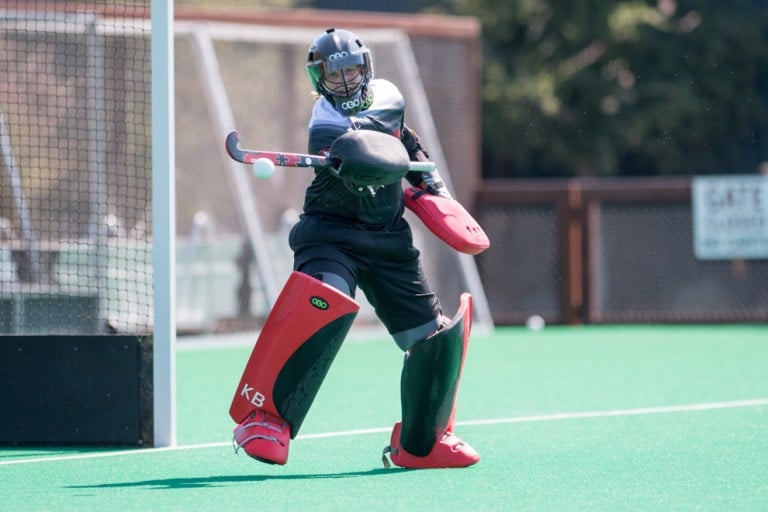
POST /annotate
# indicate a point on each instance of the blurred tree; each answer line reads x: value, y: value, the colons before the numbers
x: 587, y: 87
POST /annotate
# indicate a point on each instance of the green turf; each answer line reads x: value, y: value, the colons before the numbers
x: 638, y: 458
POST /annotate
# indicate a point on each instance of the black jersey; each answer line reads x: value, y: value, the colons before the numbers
x: 327, y: 196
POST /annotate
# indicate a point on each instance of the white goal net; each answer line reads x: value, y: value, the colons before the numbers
x: 75, y: 142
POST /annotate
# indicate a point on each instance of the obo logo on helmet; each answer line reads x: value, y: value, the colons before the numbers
x: 337, y: 56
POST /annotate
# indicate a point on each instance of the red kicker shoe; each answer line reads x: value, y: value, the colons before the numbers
x: 448, y: 452
x: 264, y: 437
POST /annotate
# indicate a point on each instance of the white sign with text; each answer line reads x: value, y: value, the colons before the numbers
x: 730, y: 217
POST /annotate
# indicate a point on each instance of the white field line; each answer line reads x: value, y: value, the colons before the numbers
x: 345, y: 433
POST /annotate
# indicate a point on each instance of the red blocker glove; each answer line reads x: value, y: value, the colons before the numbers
x: 447, y: 219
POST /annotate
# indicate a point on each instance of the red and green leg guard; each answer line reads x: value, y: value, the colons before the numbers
x: 294, y: 351
x: 429, y: 388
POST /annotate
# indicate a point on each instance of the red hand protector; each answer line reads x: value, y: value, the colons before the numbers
x: 447, y: 219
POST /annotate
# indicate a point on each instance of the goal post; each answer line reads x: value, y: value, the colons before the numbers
x: 164, y: 223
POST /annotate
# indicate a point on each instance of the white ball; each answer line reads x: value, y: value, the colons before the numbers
x: 535, y: 323
x: 263, y: 168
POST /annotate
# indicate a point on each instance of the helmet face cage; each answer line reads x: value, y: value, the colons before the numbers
x: 339, y: 67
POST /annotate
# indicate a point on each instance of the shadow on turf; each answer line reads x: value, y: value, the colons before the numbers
x: 211, y: 481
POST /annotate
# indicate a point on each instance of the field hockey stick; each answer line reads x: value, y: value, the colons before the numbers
x: 283, y: 159
x: 249, y: 156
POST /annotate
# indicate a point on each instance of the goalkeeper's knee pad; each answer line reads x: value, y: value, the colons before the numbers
x: 294, y: 351
x: 429, y: 388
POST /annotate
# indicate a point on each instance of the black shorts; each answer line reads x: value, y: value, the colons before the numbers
x: 384, y: 264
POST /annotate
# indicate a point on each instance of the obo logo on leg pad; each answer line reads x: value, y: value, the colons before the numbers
x: 319, y: 303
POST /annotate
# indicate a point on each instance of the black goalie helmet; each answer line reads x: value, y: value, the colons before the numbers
x: 339, y: 67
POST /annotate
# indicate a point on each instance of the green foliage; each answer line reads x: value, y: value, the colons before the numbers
x: 587, y: 87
